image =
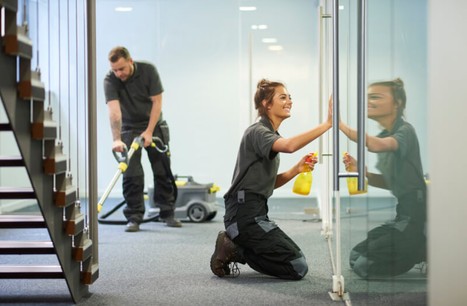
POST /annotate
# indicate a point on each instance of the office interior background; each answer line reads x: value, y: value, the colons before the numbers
x: 210, y: 55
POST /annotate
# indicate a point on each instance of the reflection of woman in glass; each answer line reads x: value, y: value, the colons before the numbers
x: 396, y: 246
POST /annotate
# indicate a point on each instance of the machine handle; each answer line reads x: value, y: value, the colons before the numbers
x: 156, y: 140
x: 121, y: 157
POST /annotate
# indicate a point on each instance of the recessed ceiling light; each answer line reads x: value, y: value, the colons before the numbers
x: 269, y: 40
x: 259, y: 27
x: 247, y: 8
x: 123, y: 9
x: 276, y: 48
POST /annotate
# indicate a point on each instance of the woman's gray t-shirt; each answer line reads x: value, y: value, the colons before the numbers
x: 257, y: 165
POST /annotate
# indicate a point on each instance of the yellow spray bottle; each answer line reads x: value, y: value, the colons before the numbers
x: 302, y: 184
x: 352, y: 184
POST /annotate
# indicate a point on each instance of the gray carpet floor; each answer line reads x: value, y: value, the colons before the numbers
x: 170, y: 266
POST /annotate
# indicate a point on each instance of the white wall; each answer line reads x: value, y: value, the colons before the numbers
x: 447, y: 114
x: 201, y: 49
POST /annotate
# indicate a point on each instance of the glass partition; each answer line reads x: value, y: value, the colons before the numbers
x: 383, y: 237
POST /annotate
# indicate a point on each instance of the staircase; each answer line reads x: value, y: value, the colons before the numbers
x: 22, y: 94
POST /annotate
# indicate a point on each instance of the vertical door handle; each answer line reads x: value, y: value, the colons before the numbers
x: 361, y: 92
x: 361, y: 96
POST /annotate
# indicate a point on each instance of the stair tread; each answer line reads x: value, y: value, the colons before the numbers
x: 26, y: 244
x: 27, y: 247
x: 11, y: 161
x: 30, y: 268
x: 22, y: 221
x: 31, y: 271
x: 5, y: 127
x: 20, y: 218
x: 17, y: 193
x: 12, y: 189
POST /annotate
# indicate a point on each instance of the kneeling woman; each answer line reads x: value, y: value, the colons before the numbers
x: 250, y: 236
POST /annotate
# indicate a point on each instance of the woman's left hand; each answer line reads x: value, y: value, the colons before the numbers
x: 350, y: 162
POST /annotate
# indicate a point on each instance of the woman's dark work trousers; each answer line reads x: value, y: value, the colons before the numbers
x: 394, y: 247
x: 263, y: 245
x: 133, y: 181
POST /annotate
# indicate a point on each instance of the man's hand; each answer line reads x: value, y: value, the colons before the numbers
x: 118, y: 146
x: 147, y: 137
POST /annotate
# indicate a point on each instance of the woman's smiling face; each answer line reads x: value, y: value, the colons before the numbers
x: 281, y: 103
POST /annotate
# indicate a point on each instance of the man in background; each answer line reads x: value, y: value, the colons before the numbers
x: 133, y: 92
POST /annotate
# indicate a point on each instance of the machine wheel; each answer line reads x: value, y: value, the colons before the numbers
x: 197, y: 213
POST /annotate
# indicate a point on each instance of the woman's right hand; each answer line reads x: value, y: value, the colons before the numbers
x: 307, y: 163
x: 349, y: 162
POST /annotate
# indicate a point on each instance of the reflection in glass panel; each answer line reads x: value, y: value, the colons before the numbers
x: 384, y: 238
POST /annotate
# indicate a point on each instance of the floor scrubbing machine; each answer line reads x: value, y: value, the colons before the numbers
x: 194, y: 201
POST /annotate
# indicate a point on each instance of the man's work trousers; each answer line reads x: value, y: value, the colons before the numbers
x: 133, y: 181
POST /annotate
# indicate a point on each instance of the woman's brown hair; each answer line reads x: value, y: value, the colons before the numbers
x: 398, y: 92
x: 265, y: 90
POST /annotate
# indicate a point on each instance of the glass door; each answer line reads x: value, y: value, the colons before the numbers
x: 380, y: 232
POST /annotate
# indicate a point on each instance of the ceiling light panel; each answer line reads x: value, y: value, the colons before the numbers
x: 247, y: 8
x: 269, y: 40
x: 123, y: 9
